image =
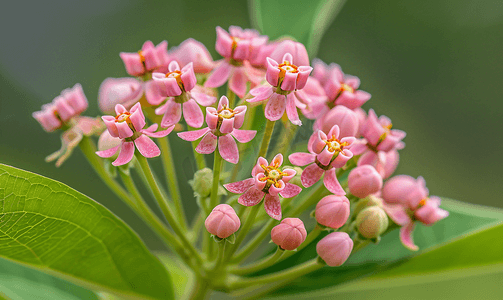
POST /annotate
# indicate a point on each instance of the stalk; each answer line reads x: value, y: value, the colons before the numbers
x: 260, y: 265
x: 266, y: 139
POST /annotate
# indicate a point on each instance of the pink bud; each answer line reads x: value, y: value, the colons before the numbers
x: 332, y: 211
x: 364, y: 180
x: 345, y: 118
x: 193, y: 51
x: 296, y: 49
x: 335, y: 248
x: 404, y: 189
x: 124, y: 91
x: 289, y: 234
x: 222, y: 221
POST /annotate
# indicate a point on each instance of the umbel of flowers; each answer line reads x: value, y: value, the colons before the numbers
x: 349, y: 211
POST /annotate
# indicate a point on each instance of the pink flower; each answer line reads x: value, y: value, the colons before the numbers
x: 332, y: 211
x: 237, y: 48
x: 326, y: 153
x: 296, y: 49
x: 269, y: 181
x: 128, y: 126
x: 177, y: 86
x: 321, y: 70
x: 146, y: 60
x: 364, y: 180
x: 71, y: 103
x: 193, y: 51
x: 125, y: 91
x: 313, y: 95
x: 222, y: 221
x: 345, y: 118
x: 335, y: 248
x: 284, y: 79
x: 406, y: 200
x: 289, y: 234
x: 222, y: 128
x: 343, y: 89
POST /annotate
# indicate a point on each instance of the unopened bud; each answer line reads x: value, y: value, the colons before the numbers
x: 364, y: 180
x: 289, y: 234
x: 372, y: 222
x: 370, y: 200
x: 222, y: 221
x: 202, y: 182
x: 332, y: 211
x: 335, y: 248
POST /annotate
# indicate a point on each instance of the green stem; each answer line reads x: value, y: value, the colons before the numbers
x: 244, y: 230
x: 164, y: 206
x: 200, y: 289
x: 310, y: 199
x: 266, y: 139
x: 221, y: 255
x: 264, y: 263
x: 170, y: 172
x: 201, y: 163
x: 289, y: 274
x: 255, y: 241
x: 231, y: 96
x: 217, y: 167
x: 284, y: 145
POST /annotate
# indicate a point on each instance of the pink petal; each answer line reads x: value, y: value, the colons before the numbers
x: 193, y: 114
x: 158, y: 134
x: 237, y: 82
x: 406, y: 236
x: 311, y: 175
x: 108, y: 153
x: 147, y: 147
x: 240, y: 186
x: 243, y: 136
x: 277, y: 160
x: 173, y: 113
x: 193, y: 135
x: 275, y: 107
x: 261, y: 93
x: 219, y: 76
x: 397, y: 214
x: 208, y: 144
x: 291, y: 110
x: 272, y: 206
x: 251, y: 197
x: 301, y: 158
x: 153, y: 93
x: 332, y: 184
x: 228, y: 149
x: 203, y: 99
x: 126, y: 154
x: 290, y: 190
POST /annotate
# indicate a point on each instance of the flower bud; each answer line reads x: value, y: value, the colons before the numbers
x: 332, y: 211
x: 364, y: 180
x: 296, y: 49
x: 202, y: 182
x: 372, y: 222
x: 335, y: 248
x: 345, y: 118
x: 125, y: 91
x: 289, y: 234
x: 222, y: 221
x: 370, y: 200
x: 191, y: 50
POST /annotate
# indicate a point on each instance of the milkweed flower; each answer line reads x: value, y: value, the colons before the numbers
x: 335, y: 248
x: 268, y: 181
x: 327, y: 153
x: 193, y: 51
x: 406, y: 200
x: 289, y: 234
x: 128, y: 126
x: 148, y: 59
x: 124, y: 91
x: 223, y: 128
x: 222, y: 221
x: 237, y: 47
x: 177, y: 86
x: 284, y: 80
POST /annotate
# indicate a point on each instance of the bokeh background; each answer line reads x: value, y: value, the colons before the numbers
x: 433, y: 66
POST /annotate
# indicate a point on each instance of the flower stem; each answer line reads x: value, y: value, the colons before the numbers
x: 231, y: 96
x: 264, y: 263
x: 310, y: 199
x: 201, y: 163
x: 255, y: 241
x: 200, y: 289
x: 164, y: 206
x: 244, y: 230
x: 221, y: 255
x: 170, y: 172
x: 284, y: 145
x: 289, y: 274
x: 217, y: 167
x: 266, y: 139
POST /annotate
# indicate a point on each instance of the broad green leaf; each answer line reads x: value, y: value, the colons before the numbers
x: 182, y: 276
x: 48, y: 226
x: 468, y: 231
x: 306, y: 21
x: 18, y: 282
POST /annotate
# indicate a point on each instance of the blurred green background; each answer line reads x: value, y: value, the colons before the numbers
x: 434, y: 67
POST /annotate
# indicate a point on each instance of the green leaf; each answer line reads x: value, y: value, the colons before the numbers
x: 467, y: 240
x: 306, y: 21
x: 18, y: 282
x: 182, y: 276
x: 48, y: 226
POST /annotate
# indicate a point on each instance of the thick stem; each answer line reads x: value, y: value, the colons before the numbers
x: 201, y: 163
x: 164, y: 206
x: 255, y: 241
x: 284, y: 145
x: 289, y: 274
x: 170, y: 172
x: 260, y: 265
x: 266, y: 139
x: 217, y: 167
x: 231, y: 96
x: 221, y: 255
x: 244, y: 230
x: 200, y: 290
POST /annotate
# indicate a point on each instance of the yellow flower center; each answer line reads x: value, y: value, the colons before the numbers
x: 178, y: 76
x: 387, y: 128
x: 334, y: 145
x: 225, y: 113
x: 124, y: 117
x: 422, y: 202
x: 272, y: 176
x: 345, y: 87
x: 142, y: 57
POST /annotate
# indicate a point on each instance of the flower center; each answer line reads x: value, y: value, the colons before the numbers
x: 334, y: 145
x: 142, y: 57
x: 124, y: 117
x: 272, y: 176
x: 287, y: 67
x: 422, y: 202
x: 178, y: 76
x: 345, y: 87
x: 383, y: 136
x: 226, y: 113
